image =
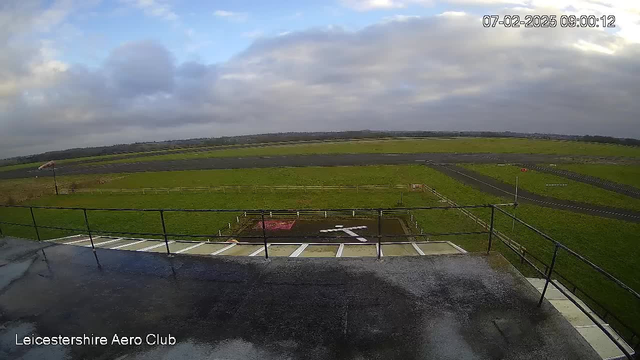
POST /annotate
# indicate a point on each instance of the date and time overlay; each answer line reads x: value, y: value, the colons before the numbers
x: 549, y: 21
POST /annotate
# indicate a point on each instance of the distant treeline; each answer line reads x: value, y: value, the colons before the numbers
x: 293, y: 137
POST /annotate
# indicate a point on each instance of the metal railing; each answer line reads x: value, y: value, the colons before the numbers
x: 262, y: 213
x: 379, y: 213
x: 550, y: 271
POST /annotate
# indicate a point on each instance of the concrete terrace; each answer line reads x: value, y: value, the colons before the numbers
x: 421, y: 307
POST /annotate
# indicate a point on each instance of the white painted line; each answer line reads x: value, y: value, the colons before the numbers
x: 79, y: 241
x: 340, y: 249
x: 348, y: 231
x: 125, y: 245
x: 299, y: 250
x: 104, y: 242
x: 415, y: 246
x: 223, y: 249
x: 190, y: 248
x: 154, y: 246
x: 258, y: 251
x: 457, y: 247
x: 358, y: 237
x: 343, y: 229
x: 64, y: 238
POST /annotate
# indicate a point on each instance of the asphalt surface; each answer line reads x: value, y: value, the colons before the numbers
x: 495, y: 187
x: 428, y: 307
x: 300, y: 161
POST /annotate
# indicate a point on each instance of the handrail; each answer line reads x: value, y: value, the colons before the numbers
x: 272, y: 210
x: 549, y: 273
x: 572, y: 252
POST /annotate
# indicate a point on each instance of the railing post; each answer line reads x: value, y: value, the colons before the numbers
x: 164, y: 232
x: 86, y: 222
x: 379, y: 234
x: 264, y: 235
x: 493, y: 214
x: 35, y: 226
x: 546, y: 284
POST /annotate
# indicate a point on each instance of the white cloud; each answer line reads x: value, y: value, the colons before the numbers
x: 156, y: 8
x: 365, y: 5
x: 230, y: 15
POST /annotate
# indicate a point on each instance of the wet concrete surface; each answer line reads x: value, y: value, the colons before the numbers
x: 305, y: 160
x: 428, y: 307
x: 498, y: 188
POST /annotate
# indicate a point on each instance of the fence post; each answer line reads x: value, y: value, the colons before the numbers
x: 35, y: 226
x: 546, y: 284
x: 493, y: 213
x: 164, y: 232
x: 264, y: 235
x: 379, y: 233
x: 86, y: 222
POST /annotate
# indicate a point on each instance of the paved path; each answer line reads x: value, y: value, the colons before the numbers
x: 495, y: 187
x: 300, y: 161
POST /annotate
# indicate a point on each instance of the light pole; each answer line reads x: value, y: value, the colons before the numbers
x: 51, y: 164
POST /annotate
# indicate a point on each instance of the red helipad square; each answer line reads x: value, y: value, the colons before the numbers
x: 275, y: 224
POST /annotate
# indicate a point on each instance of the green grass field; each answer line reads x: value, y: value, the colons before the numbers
x: 623, y: 174
x: 536, y: 181
x: 433, y: 145
x: 609, y: 243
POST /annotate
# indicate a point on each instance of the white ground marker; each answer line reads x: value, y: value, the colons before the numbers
x: 415, y: 246
x: 223, y: 249
x: 299, y: 250
x: 79, y: 241
x: 154, y: 246
x: 348, y: 231
x: 125, y: 245
x: 190, y: 248
x: 255, y: 253
x: 104, y: 242
x: 340, y: 250
x: 457, y: 247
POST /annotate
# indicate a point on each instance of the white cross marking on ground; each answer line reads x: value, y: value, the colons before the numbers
x: 348, y: 231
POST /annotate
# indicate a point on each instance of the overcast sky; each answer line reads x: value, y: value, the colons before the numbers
x: 90, y: 72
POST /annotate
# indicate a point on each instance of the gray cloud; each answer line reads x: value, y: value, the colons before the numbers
x: 142, y: 68
x: 437, y: 73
